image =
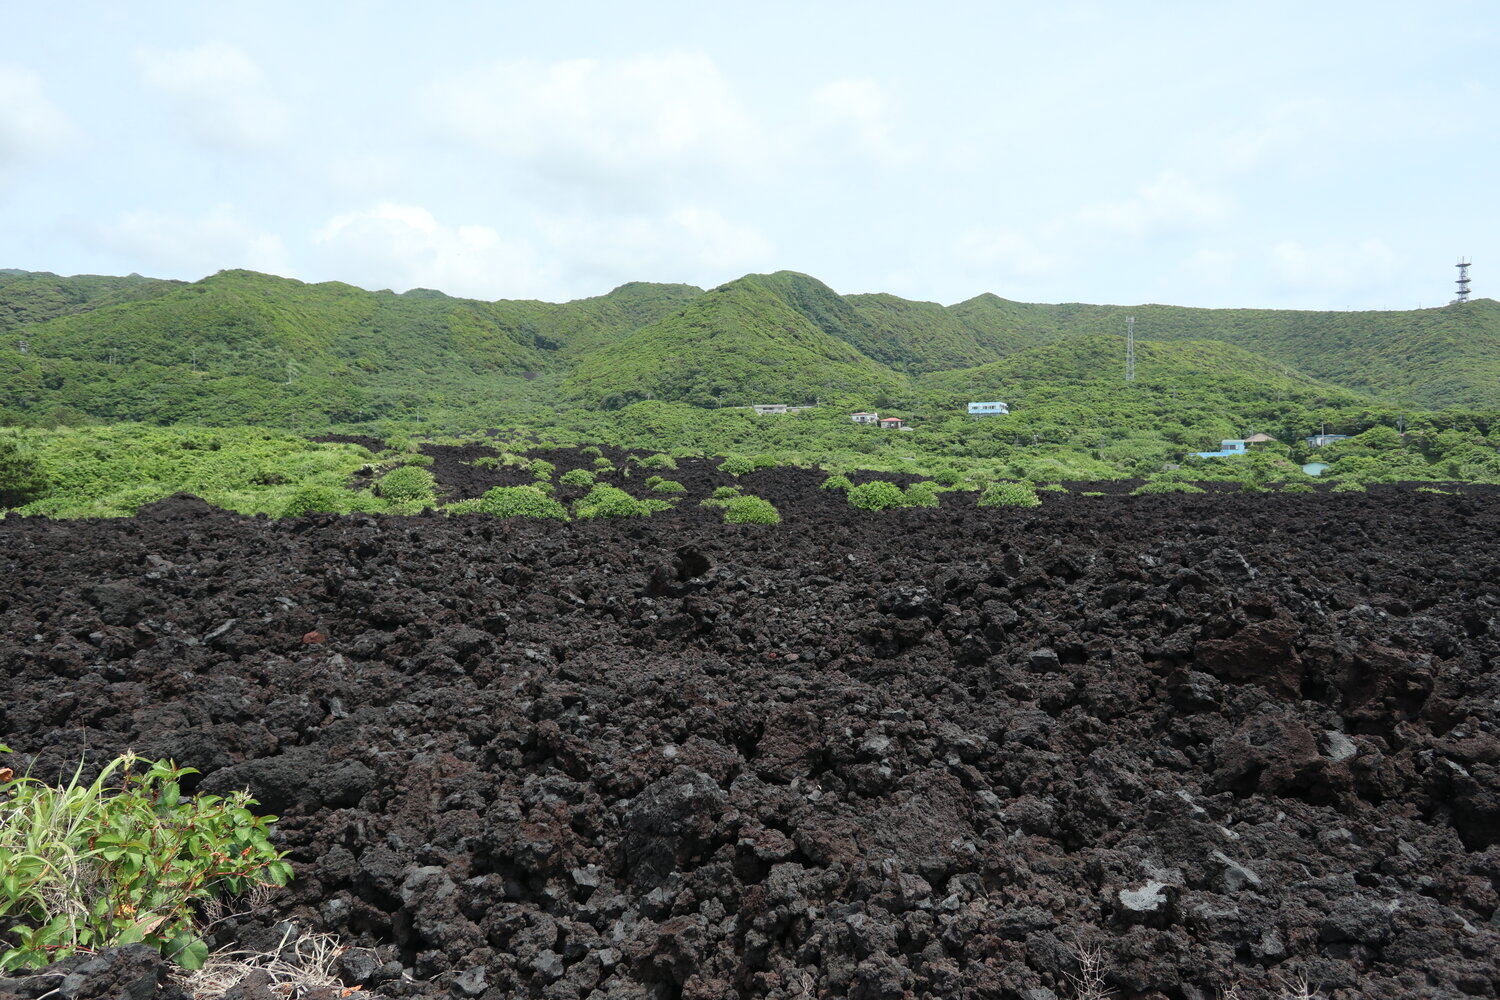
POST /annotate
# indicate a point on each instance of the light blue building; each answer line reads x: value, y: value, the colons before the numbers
x: 987, y: 409
x: 1234, y: 446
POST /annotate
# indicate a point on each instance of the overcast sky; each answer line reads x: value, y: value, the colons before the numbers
x: 1326, y: 155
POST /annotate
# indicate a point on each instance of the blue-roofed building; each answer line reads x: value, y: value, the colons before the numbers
x: 1233, y: 446
x: 987, y: 409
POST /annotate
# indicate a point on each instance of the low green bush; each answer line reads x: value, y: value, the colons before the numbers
x: 658, y: 461
x: 592, y: 450
x: 408, y: 484
x: 922, y: 494
x: 521, y: 501
x: 948, y: 476
x: 315, y: 500
x: 602, y: 463
x: 611, y: 501
x: 1149, y: 489
x: 1052, y: 488
x: 1348, y: 486
x: 542, y: 469
x: 22, y: 476
x: 577, y: 477
x: 486, y: 462
x: 750, y: 510
x: 765, y: 462
x: 1298, y: 488
x: 725, y: 492
x: 877, y: 495
x: 458, y: 507
x: 1010, y: 494
x: 666, y: 485
x: 736, y: 465
x: 123, y: 859
x: 837, y: 483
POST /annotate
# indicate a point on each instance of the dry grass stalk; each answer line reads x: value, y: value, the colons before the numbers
x: 300, y: 963
x: 1089, y: 983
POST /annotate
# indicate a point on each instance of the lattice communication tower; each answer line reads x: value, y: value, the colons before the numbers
x: 1463, y: 280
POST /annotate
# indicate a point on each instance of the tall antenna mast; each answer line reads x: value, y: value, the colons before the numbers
x: 1463, y: 281
x: 1130, y: 349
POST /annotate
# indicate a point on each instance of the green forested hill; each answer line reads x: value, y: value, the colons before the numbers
x: 762, y: 338
x: 246, y: 347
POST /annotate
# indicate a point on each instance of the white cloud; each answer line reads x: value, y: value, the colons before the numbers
x: 1012, y: 252
x: 221, y: 93
x: 30, y: 124
x: 405, y: 246
x: 1171, y: 203
x: 193, y: 245
x: 857, y: 113
x: 1334, y: 269
x: 588, y: 116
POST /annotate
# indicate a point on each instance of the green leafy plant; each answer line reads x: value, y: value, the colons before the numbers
x: 601, y: 463
x: 658, y: 461
x: 836, y: 483
x: 1010, y: 494
x: 542, y: 469
x: 459, y: 507
x: 577, y: 477
x: 315, y: 499
x: 1348, y: 486
x: 121, y: 860
x: 1298, y: 488
x: 750, y: 510
x: 22, y: 477
x: 1149, y: 489
x: 725, y: 493
x: 521, y: 501
x: 408, y: 485
x: 611, y: 501
x: 665, y: 485
x: 948, y: 476
x: 736, y: 465
x: 923, y: 494
x: 877, y: 495
x: 486, y: 462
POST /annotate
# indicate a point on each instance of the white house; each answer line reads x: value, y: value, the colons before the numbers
x: 987, y: 409
x: 866, y: 418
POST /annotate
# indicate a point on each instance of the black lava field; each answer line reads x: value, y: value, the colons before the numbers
x: 1222, y: 740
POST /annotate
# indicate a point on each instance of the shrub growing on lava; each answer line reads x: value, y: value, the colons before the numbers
x: 577, y: 477
x: 665, y: 485
x: 1298, y: 488
x: 657, y: 461
x: 923, y: 494
x: 737, y: 465
x: 725, y: 493
x: 836, y: 483
x: 877, y: 495
x: 1148, y: 489
x: 408, y: 484
x: 22, y: 477
x: 611, y: 501
x: 542, y: 469
x: 948, y: 476
x: 314, y: 500
x: 1010, y: 494
x: 1348, y: 486
x: 750, y: 510
x: 521, y: 501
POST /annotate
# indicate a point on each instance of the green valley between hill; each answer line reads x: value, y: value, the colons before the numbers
x: 241, y: 347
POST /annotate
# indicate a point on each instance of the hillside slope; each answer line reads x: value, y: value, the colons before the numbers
x: 761, y: 338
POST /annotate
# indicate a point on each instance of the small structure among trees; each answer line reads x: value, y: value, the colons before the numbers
x: 890, y: 423
x: 864, y: 417
x: 988, y: 409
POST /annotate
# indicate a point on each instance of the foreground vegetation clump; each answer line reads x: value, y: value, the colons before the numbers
x: 877, y: 494
x: 577, y: 477
x: 1165, y: 486
x: 737, y: 465
x: 520, y: 501
x: 923, y: 494
x: 611, y: 501
x: 657, y: 484
x: 121, y: 860
x: 750, y: 510
x: 408, y: 484
x: 315, y: 500
x: 837, y: 483
x: 1010, y: 494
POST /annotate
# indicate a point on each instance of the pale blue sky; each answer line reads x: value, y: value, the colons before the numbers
x: 1332, y: 155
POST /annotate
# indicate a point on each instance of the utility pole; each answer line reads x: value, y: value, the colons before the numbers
x: 1130, y: 349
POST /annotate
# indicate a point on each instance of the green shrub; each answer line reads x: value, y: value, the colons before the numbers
x: 486, y: 462
x: 1434, y: 489
x: 837, y: 483
x: 1010, y: 494
x: 948, y: 476
x: 658, y: 461
x: 1093, y: 493
x: 592, y: 450
x: 651, y: 481
x: 666, y: 485
x: 1052, y: 488
x: 603, y: 463
x: 577, y: 477
x: 1298, y: 488
x: 725, y: 492
x: 458, y: 507
x: 736, y: 465
x: 86, y: 867
x: 750, y: 510
x: 1149, y: 489
x: 22, y: 476
x: 315, y: 500
x: 923, y: 494
x: 542, y: 469
x: 413, y: 459
x: 765, y: 462
x: 1348, y: 486
x: 877, y: 495
x: 408, y: 484
x: 521, y: 501
x: 611, y: 501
